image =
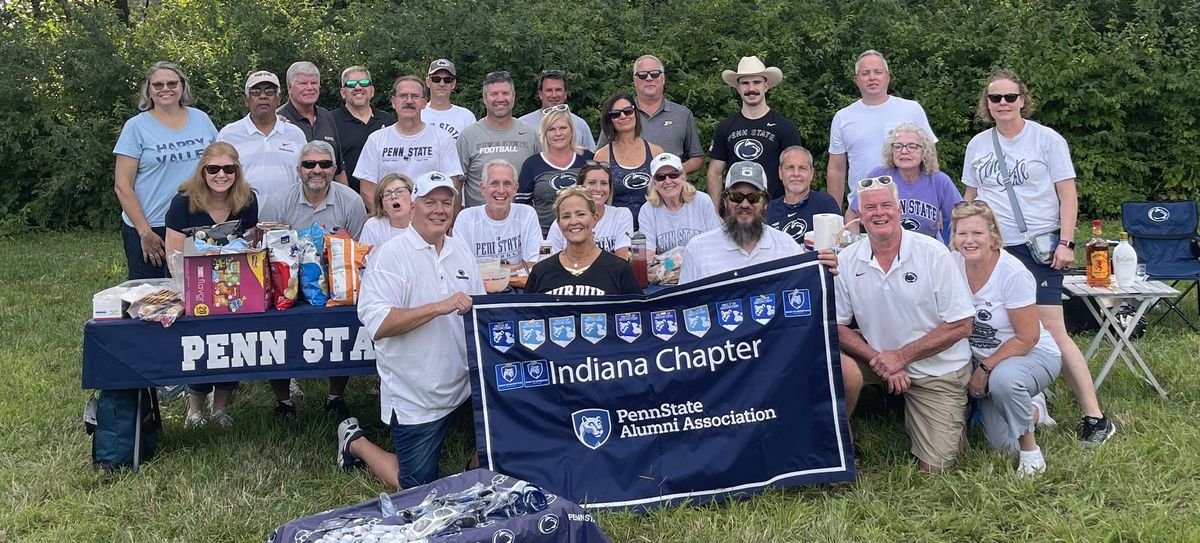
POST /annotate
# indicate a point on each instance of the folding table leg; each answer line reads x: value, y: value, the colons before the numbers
x: 137, y: 434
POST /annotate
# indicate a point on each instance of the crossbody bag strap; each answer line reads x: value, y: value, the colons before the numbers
x: 1006, y: 182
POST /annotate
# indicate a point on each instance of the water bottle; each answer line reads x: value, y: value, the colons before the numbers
x: 637, y: 249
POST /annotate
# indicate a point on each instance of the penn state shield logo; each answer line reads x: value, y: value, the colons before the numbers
x: 562, y: 330
x: 729, y: 314
x: 636, y: 181
x: 797, y: 303
x: 536, y: 373
x: 500, y: 335
x: 663, y: 324
x: 509, y: 377
x: 696, y: 320
x: 593, y: 326
x: 762, y: 308
x: 533, y: 333
x: 748, y: 149
x: 629, y: 326
x: 593, y: 427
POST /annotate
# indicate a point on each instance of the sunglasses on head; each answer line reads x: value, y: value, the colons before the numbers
x: 971, y: 203
x: 753, y: 197
x: 869, y: 181
x: 596, y: 164
x: 1010, y: 97
x: 263, y: 91
x: 553, y: 73
x: 497, y: 76
x: 552, y: 109
x: 313, y: 164
x: 351, y: 83
x: 623, y: 112
x: 667, y: 175
x: 160, y: 85
x: 648, y: 74
x: 441, y: 78
x: 212, y: 169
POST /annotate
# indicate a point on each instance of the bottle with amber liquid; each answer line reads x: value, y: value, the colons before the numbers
x: 1099, y: 263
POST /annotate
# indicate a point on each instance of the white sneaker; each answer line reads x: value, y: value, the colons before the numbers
x: 294, y: 389
x: 1031, y: 466
x: 222, y: 419
x: 194, y: 420
x: 1044, y: 418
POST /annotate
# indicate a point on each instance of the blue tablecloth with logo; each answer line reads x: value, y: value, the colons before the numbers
x: 698, y: 392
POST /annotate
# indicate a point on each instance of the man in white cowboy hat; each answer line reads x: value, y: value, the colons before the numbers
x: 756, y: 133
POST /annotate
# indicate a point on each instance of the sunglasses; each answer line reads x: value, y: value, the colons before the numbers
x: 394, y: 193
x: 596, y: 164
x: 1010, y: 97
x: 351, y: 83
x: 753, y: 197
x: 160, y: 85
x: 971, y: 203
x: 552, y: 109
x: 913, y: 147
x: 269, y: 91
x: 212, y: 169
x: 869, y: 181
x: 626, y: 111
x: 648, y: 74
x: 668, y: 175
x: 442, y: 79
x: 313, y: 164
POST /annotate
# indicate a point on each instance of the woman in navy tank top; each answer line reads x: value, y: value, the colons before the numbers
x: 627, y: 154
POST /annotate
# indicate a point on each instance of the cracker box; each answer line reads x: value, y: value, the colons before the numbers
x: 226, y: 284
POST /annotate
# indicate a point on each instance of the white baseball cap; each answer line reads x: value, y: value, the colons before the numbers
x: 665, y: 159
x: 261, y: 76
x: 429, y: 181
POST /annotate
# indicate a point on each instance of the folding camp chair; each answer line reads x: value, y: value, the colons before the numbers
x: 1164, y: 235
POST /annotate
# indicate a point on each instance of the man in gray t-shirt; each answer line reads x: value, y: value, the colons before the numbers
x: 496, y: 135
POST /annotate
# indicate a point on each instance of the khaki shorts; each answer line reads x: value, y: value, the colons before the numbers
x: 933, y: 413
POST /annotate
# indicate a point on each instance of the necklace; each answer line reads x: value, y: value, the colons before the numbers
x: 577, y: 267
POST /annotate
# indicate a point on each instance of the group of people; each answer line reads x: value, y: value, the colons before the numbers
x: 433, y: 189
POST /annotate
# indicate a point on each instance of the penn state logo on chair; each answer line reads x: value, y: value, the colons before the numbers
x: 593, y: 427
x: 1158, y: 214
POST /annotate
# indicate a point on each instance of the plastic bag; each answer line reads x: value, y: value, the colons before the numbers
x: 162, y: 306
x: 284, y: 249
x: 346, y: 258
x: 666, y: 267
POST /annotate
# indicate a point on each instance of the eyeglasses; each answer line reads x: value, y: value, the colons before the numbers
x: 626, y: 111
x: 552, y: 109
x: 313, y: 164
x: 212, y: 169
x: 869, y: 181
x: 406, y: 97
x: 351, y: 83
x: 447, y: 79
x: 496, y: 77
x: 668, y: 175
x: 1010, y: 97
x: 753, y: 197
x: 394, y: 193
x: 648, y: 74
x: 912, y: 147
x: 160, y: 85
x: 971, y: 203
x: 269, y: 91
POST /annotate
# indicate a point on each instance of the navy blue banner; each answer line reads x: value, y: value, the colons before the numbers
x: 304, y: 341
x: 724, y: 386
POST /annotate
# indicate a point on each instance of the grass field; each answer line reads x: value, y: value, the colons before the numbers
x: 238, y: 485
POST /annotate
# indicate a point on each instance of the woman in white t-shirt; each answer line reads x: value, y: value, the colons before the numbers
x: 1038, y: 162
x: 1015, y: 358
x: 672, y: 214
x: 613, y: 224
x: 392, y: 211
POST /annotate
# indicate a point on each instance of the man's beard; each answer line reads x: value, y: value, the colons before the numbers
x: 743, y: 234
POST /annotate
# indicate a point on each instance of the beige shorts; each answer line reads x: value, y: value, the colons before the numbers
x: 933, y: 413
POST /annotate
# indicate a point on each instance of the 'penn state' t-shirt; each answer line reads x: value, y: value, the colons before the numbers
x: 758, y: 140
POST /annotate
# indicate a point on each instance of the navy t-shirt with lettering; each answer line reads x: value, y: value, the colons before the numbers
x: 760, y: 140
x: 609, y: 274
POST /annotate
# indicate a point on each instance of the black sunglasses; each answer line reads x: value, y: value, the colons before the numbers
x: 625, y: 111
x: 972, y: 203
x: 753, y: 197
x: 1010, y: 97
x: 668, y: 175
x: 351, y: 83
x: 268, y: 91
x: 212, y: 169
x: 441, y: 78
x: 648, y: 74
x: 312, y: 164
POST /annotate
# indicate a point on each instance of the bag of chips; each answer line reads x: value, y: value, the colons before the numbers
x: 346, y: 259
x: 312, y: 274
x: 284, y: 249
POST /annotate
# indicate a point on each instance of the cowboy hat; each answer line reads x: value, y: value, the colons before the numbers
x: 752, y: 66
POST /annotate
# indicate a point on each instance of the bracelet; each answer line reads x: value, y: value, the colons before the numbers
x: 985, y: 369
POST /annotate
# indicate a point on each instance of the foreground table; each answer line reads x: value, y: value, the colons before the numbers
x: 1102, y: 303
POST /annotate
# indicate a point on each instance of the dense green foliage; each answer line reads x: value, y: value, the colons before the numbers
x: 1114, y: 77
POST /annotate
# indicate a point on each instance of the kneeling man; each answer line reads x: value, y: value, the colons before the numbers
x: 914, y: 313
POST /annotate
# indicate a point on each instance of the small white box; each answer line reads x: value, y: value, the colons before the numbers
x: 108, y: 304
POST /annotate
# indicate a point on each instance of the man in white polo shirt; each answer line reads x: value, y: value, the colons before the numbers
x: 268, y: 149
x: 914, y: 314
x: 411, y: 302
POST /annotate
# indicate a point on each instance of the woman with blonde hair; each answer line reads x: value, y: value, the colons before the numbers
x: 581, y: 268
x: 673, y: 214
x: 547, y: 173
x: 391, y: 213
x: 613, y: 224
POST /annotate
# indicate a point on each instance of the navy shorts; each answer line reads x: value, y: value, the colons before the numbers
x: 1048, y: 280
x: 418, y: 448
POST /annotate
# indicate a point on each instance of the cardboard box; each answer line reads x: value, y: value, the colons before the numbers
x: 226, y: 284
x: 112, y: 302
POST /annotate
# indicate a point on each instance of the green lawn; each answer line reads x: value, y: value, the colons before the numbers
x: 213, y: 485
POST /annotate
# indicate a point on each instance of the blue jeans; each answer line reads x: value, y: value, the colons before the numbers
x: 418, y: 447
x: 137, y: 265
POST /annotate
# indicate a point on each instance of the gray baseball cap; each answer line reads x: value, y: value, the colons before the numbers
x: 442, y: 64
x: 746, y: 172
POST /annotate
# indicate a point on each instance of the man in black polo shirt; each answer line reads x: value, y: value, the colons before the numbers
x: 357, y: 118
x: 304, y: 88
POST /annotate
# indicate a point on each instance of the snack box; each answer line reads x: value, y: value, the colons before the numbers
x: 225, y: 284
x: 112, y: 302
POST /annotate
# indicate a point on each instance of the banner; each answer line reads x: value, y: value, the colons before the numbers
x: 724, y: 386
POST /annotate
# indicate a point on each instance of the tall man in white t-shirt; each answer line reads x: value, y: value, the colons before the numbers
x: 409, y: 147
x: 914, y: 314
x: 268, y: 148
x: 497, y: 135
x: 412, y: 301
x: 552, y: 91
x: 858, y: 130
x: 441, y: 80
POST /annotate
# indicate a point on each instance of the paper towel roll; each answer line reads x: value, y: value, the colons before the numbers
x: 825, y: 228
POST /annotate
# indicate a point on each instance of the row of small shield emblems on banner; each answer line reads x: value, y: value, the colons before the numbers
x: 664, y: 324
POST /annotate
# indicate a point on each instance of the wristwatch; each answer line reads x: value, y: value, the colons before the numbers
x: 1067, y: 243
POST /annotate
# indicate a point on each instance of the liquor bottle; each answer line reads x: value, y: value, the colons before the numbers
x: 1099, y: 267
x: 1125, y: 262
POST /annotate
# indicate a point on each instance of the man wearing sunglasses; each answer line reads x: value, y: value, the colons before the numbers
x: 497, y: 135
x: 357, y: 118
x: 268, y: 148
x: 317, y: 123
x: 756, y: 133
x: 316, y: 199
x: 858, y: 130
x: 552, y: 91
x: 664, y: 123
x: 441, y: 80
